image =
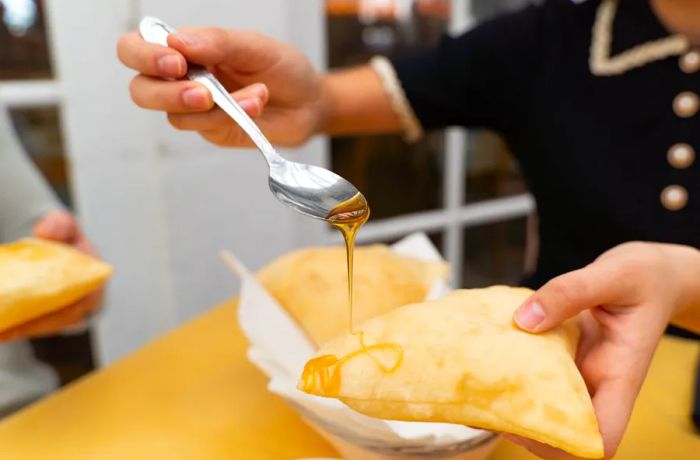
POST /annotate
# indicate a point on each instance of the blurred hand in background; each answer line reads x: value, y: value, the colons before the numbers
x: 59, y: 226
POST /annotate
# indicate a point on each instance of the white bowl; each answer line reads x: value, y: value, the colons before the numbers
x: 353, y: 447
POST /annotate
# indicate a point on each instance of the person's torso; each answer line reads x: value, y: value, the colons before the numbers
x: 596, y: 147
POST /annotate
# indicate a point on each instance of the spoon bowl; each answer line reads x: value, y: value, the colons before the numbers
x: 310, y: 190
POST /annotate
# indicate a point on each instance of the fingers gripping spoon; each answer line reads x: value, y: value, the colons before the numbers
x: 310, y: 190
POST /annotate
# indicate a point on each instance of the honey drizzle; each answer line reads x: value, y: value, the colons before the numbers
x: 322, y: 374
x: 348, y: 217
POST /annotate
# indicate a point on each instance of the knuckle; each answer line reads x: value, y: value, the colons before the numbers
x: 300, y: 130
x: 213, y: 137
x: 254, y: 38
x: 217, y: 32
x: 216, y: 36
x: 127, y: 47
x: 627, y: 268
x: 176, y: 121
x: 640, y: 256
x: 567, y: 290
x: 121, y: 48
x: 235, y: 137
x: 633, y: 245
x: 135, y: 93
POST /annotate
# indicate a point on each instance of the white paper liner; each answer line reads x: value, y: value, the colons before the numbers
x: 280, y: 349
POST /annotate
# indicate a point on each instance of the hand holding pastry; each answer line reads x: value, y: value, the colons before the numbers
x: 626, y: 298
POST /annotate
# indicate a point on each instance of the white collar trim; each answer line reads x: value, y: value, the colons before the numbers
x: 602, y: 64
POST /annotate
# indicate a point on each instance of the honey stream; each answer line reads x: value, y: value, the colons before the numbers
x: 322, y: 374
x: 348, y: 217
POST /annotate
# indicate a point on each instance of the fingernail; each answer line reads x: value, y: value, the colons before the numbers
x: 251, y: 106
x: 186, y: 39
x: 196, y: 98
x: 170, y: 65
x: 529, y: 316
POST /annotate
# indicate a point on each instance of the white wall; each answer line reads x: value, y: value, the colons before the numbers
x: 160, y: 204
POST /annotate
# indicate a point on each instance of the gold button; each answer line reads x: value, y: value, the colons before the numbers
x: 681, y: 155
x: 686, y: 104
x: 674, y: 197
x: 690, y: 61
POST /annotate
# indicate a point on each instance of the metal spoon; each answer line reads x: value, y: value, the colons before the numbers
x: 310, y: 190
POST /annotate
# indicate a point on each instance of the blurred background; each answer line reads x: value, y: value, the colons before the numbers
x: 161, y: 204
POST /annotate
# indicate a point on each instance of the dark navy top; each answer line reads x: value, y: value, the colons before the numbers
x: 593, y: 145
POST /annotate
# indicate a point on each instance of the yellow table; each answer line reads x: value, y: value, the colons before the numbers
x: 193, y: 395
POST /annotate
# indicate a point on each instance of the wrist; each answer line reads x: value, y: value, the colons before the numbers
x: 687, y: 311
x: 325, y: 106
x: 352, y: 102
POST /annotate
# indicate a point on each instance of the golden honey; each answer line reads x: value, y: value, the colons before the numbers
x: 348, y: 217
x: 323, y: 373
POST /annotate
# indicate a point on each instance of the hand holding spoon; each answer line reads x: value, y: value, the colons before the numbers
x: 310, y: 190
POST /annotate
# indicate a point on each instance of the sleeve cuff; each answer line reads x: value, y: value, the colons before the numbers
x: 413, y: 131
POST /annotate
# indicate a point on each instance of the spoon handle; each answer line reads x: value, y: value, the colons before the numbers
x: 154, y: 30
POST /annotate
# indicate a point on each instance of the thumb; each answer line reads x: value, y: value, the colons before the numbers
x: 567, y: 295
x: 58, y: 226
